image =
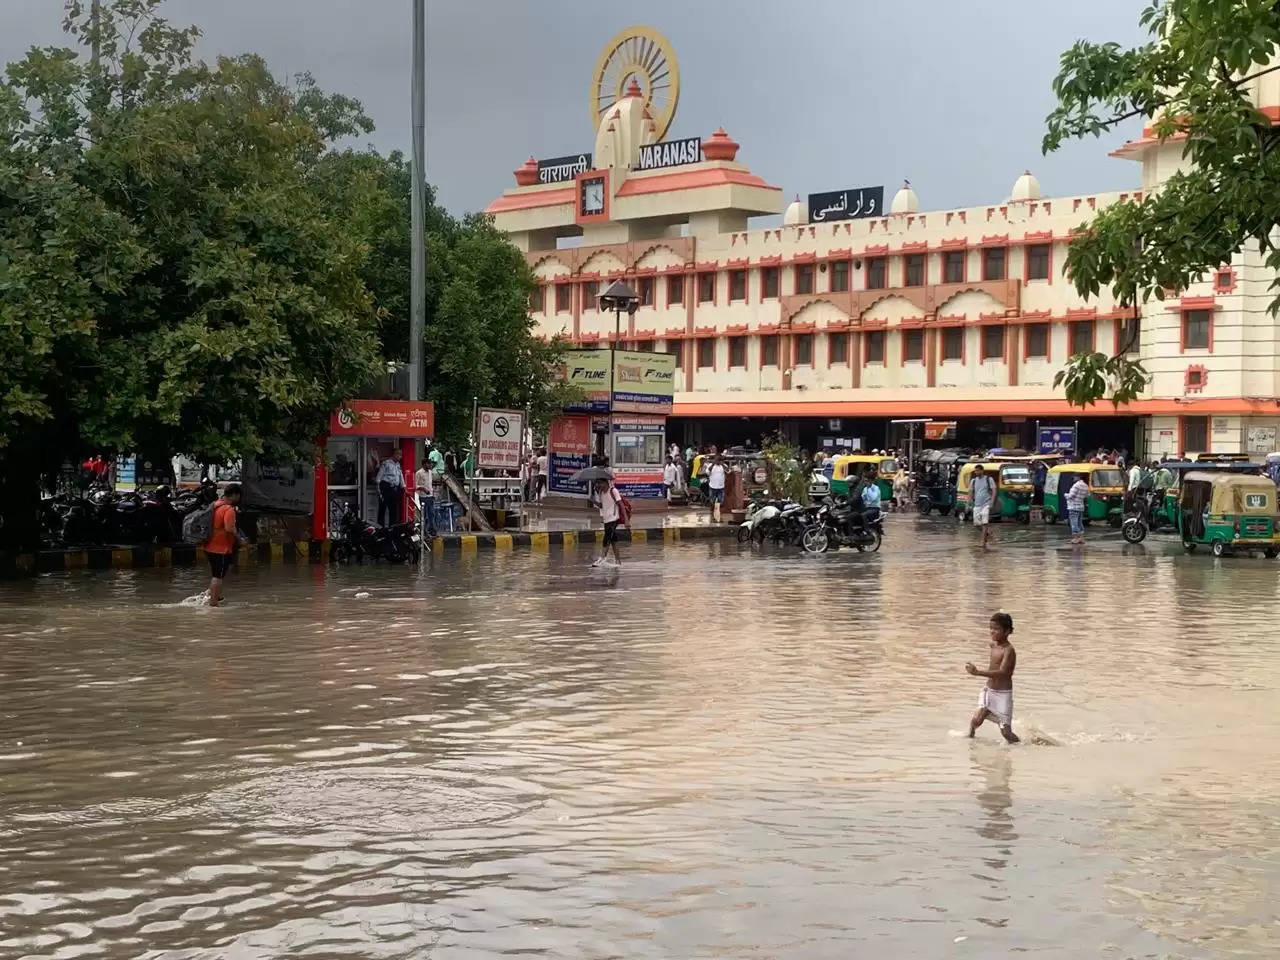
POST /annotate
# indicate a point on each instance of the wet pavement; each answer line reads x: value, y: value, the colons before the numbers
x: 715, y: 752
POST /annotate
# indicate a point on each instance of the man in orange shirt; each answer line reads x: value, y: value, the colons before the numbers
x: 221, y: 548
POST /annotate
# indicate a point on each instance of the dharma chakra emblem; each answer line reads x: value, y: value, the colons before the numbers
x: 642, y: 54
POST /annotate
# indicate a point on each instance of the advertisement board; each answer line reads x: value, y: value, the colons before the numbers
x: 1261, y: 439
x: 639, y: 453
x: 643, y: 382
x: 384, y: 418
x: 568, y: 451
x: 1056, y: 440
x: 588, y: 370
x: 278, y: 489
x: 499, y: 434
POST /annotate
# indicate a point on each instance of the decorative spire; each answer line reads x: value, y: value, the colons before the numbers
x: 527, y: 173
x: 719, y: 146
x: 633, y: 89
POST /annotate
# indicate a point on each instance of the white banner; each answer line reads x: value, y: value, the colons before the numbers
x: 499, y: 433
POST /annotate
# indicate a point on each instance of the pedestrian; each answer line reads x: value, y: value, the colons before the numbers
x: 1164, y: 476
x: 715, y: 486
x: 995, y: 700
x: 424, y: 485
x: 1135, y: 475
x: 901, y: 489
x: 1077, y: 497
x: 670, y: 477
x: 221, y: 547
x: 390, y: 488
x: 610, y: 516
x: 982, y: 493
x: 540, y: 474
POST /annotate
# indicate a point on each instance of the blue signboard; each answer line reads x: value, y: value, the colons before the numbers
x: 1057, y: 440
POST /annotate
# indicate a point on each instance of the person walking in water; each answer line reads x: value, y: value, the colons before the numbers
x: 982, y: 493
x: 610, y: 516
x: 715, y: 487
x: 221, y: 547
x: 995, y: 700
x: 1077, y: 498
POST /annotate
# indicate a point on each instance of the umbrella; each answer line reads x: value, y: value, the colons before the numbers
x: 591, y: 474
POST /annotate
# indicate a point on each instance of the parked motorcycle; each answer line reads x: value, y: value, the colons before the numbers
x: 764, y: 522
x: 841, y: 524
x: 357, y: 539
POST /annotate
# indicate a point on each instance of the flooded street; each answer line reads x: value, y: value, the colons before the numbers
x: 719, y: 752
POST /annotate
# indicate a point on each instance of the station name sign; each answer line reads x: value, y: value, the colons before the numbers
x: 670, y: 153
x: 562, y: 169
x: 852, y: 204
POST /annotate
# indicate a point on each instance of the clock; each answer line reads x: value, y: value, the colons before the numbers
x: 593, y: 196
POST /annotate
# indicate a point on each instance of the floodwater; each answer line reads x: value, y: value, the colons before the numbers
x: 719, y: 752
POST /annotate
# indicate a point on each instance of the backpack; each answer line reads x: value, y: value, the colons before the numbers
x: 624, y: 509
x: 197, y: 526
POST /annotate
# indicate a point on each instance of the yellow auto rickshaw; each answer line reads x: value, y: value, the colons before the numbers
x: 964, y: 505
x: 1106, y: 491
x: 846, y: 470
x: 1229, y: 512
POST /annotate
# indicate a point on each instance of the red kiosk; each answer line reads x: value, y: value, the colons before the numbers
x: 362, y: 433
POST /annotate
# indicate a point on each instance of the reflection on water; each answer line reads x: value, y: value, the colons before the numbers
x: 716, y: 753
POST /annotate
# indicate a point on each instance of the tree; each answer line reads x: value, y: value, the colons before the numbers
x: 1191, y: 79
x: 789, y: 474
x: 169, y: 280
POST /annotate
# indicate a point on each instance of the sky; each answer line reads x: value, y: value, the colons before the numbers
x: 821, y: 94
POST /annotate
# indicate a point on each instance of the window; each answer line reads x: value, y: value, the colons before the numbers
x: 876, y: 271
x: 1082, y: 337
x: 1195, y: 434
x: 1195, y: 330
x: 1129, y: 336
x: 706, y: 352
x: 1038, y: 261
x: 769, y: 283
x: 804, y: 278
x: 912, y: 346
x: 875, y: 346
x: 676, y: 349
x: 953, y: 343
x: 564, y: 297
x: 993, y: 263
x: 804, y: 350
x: 839, y: 276
x: 769, y: 351
x: 706, y: 287
x: 737, y: 285
x: 837, y: 348
x: 737, y: 351
x: 675, y: 290
x: 993, y: 343
x: 591, y: 295
x: 953, y: 266
x: 914, y: 270
x: 646, y: 291
x: 538, y: 299
x: 1037, y: 335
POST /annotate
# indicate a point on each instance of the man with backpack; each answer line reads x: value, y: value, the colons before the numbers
x: 224, y: 536
x: 615, y: 510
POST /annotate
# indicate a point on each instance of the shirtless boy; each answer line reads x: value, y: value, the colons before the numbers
x: 996, y: 699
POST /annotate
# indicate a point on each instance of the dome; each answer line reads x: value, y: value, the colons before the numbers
x: 905, y: 200
x: 1026, y: 187
x: 796, y: 213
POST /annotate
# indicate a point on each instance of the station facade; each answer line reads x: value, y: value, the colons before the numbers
x: 862, y: 308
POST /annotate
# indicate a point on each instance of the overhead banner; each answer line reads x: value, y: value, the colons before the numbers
x: 498, y: 435
x: 568, y: 451
x: 940, y: 430
x: 277, y: 489
x: 670, y: 153
x: 563, y: 169
x: 643, y: 382
x: 852, y: 204
x: 588, y: 370
x: 1056, y: 440
x: 384, y: 418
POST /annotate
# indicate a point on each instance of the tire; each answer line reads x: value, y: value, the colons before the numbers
x: 944, y: 511
x: 1219, y: 548
x: 874, y: 545
x: 814, y: 540
x: 1271, y: 553
x: 1188, y: 546
x: 1134, y: 530
x: 1024, y: 517
x: 924, y: 505
x: 1049, y: 516
x: 744, y: 533
x: 757, y: 535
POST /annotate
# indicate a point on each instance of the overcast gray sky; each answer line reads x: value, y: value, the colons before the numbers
x: 822, y: 94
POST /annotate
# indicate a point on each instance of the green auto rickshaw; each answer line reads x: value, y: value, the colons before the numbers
x: 1106, y: 491
x: 846, y: 470
x: 1229, y: 512
x: 1015, y: 487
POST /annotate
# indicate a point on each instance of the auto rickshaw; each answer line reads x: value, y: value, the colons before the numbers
x: 936, y: 488
x: 845, y: 473
x: 1228, y: 511
x: 1167, y: 512
x: 1106, y: 491
x: 1015, y: 488
x: 964, y: 477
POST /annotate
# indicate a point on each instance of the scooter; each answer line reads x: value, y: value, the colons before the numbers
x: 761, y: 521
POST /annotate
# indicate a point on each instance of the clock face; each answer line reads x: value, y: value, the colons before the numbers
x: 592, y: 197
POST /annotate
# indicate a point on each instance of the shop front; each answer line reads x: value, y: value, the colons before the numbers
x: 363, y: 433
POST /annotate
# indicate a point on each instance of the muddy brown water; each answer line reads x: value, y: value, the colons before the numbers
x: 718, y: 752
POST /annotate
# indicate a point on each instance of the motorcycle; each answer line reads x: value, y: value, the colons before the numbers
x: 842, y: 525
x: 358, y: 539
x: 1142, y: 514
x: 763, y: 522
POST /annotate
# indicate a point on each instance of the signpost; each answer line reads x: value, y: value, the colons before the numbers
x: 670, y: 153
x: 1056, y: 440
x: 643, y: 382
x: 852, y: 204
x: 499, y: 436
x: 563, y: 169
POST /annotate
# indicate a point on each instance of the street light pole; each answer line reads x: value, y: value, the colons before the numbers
x: 418, y: 172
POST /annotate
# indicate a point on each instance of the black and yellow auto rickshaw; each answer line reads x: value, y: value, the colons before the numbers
x: 1228, y: 512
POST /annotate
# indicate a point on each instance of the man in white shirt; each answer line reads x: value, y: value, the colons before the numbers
x: 540, y: 477
x: 1135, y: 475
x: 670, y: 477
x: 390, y: 487
x: 715, y: 487
x: 424, y: 485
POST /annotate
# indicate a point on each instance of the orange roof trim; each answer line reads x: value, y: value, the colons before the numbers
x: 530, y: 201
x: 971, y: 408
x: 690, y: 180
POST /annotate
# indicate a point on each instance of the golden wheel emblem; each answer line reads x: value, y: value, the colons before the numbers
x: 645, y: 55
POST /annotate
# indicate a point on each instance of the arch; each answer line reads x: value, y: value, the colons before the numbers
x: 971, y: 301
x: 659, y: 255
x: 602, y: 261
x: 820, y: 312
x: 890, y: 308
x: 550, y: 266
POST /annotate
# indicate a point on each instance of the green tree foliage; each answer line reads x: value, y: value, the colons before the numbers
x: 1191, y: 79
x: 789, y: 474
x: 168, y: 280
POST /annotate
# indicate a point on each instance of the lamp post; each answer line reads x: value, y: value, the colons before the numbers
x: 617, y: 297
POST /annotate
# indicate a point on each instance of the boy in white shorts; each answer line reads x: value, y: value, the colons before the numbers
x: 996, y: 698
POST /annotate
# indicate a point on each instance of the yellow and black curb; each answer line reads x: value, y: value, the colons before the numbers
x: 317, y: 551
